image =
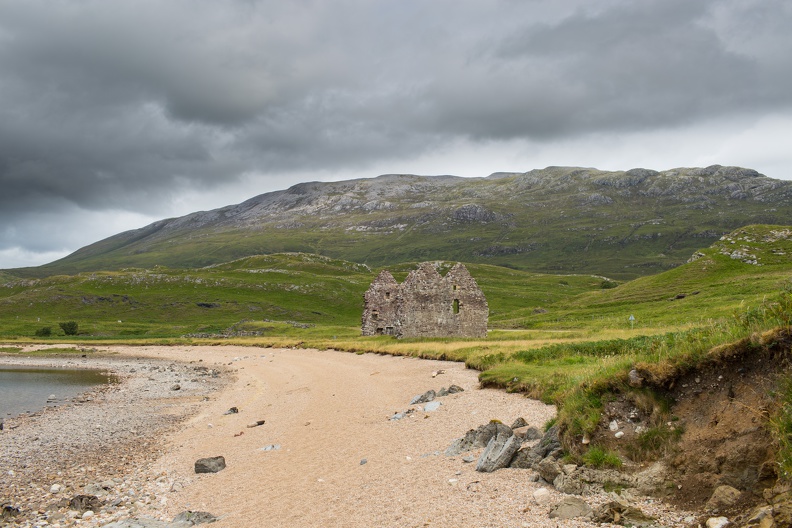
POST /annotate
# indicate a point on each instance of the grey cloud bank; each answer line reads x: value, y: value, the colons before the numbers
x: 114, y: 114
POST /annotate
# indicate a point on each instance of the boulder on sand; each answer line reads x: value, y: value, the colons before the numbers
x: 210, y: 465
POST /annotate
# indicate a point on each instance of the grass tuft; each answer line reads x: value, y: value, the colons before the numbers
x: 597, y: 457
x: 653, y: 443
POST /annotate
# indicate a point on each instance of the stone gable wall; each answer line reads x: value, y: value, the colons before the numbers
x: 426, y: 305
x: 380, y: 314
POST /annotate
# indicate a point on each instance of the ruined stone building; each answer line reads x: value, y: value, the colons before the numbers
x: 426, y: 304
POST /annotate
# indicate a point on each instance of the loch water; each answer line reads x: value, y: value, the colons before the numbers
x: 27, y: 389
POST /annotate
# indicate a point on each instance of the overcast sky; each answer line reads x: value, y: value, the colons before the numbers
x: 117, y: 113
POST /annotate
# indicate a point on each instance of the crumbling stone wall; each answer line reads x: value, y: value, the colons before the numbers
x: 379, y: 314
x: 426, y: 305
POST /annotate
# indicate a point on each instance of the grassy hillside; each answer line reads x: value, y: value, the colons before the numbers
x: 736, y: 272
x: 299, y: 289
x: 565, y: 220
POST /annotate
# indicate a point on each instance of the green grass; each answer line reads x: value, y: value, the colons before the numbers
x: 598, y: 458
x: 307, y: 289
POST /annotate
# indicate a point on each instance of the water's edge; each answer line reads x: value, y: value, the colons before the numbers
x: 28, y: 389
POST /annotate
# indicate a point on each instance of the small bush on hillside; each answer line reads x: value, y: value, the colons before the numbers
x: 607, y: 284
x: 69, y: 327
x: 45, y: 331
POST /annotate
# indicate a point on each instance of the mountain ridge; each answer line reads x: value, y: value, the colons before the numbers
x: 558, y: 219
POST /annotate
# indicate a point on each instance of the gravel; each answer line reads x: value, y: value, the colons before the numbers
x: 100, y: 442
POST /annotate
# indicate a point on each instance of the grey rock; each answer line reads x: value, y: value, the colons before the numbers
x: 432, y: 406
x: 94, y: 489
x: 723, y: 497
x: 194, y: 517
x: 232, y: 410
x: 364, y: 462
x: 519, y: 422
x: 84, y: 503
x: 548, y: 469
x: 468, y: 459
x: 398, y: 416
x: 651, y: 480
x: 453, y: 389
x: 9, y: 511
x: 760, y: 516
x: 210, y: 465
x: 527, y: 433
x: 718, y: 522
x: 525, y: 458
x: 270, y: 447
x: 142, y: 522
x: 176, y: 387
x: 549, y: 445
x: 634, y: 379
x: 618, y: 512
x: 426, y: 397
x: 499, y: 451
x: 569, y: 483
x: 442, y: 392
x: 473, y: 439
x: 570, y: 508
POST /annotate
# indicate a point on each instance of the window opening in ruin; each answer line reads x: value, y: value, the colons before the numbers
x: 387, y: 295
x: 379, y: 331
x: 455, y: 287
x: 375, y: 315
x: 456, y: 306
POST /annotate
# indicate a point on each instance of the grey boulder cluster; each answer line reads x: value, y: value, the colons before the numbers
x: 428, y: 398
x: 517, y: 447
x: 501, y: 443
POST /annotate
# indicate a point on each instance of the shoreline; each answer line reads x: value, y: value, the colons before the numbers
x: 328, y: 454
x: 99, y: 439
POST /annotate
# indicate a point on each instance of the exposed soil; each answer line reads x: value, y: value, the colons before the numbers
x: 721, y: 412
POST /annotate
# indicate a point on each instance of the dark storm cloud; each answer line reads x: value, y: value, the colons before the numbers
x: 124, y: 105
x: 634, y: 66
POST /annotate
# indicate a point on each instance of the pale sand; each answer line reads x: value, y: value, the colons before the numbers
x: 328, y: 411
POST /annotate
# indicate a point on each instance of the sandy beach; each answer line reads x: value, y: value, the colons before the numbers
x: 327, y: 455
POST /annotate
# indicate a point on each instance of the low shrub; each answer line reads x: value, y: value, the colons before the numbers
x: 69, y: 328
x: 44, y: 331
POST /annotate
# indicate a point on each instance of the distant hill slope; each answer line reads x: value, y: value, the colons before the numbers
x: 735, y: 274
x: 622, y: 224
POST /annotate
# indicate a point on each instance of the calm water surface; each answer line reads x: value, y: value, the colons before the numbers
x: 26, y: 389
